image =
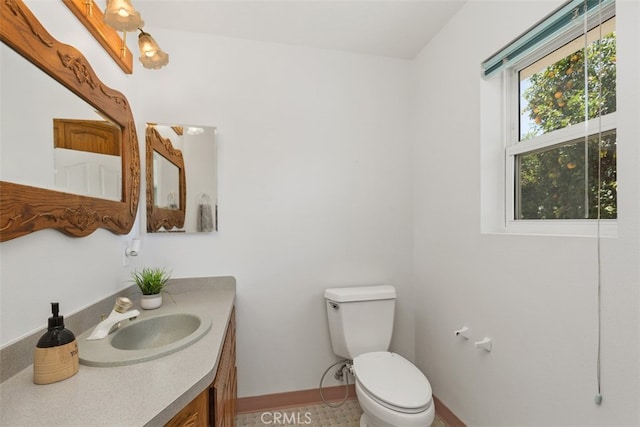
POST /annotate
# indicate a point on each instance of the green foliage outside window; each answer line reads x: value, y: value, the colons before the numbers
x: 552, y: 181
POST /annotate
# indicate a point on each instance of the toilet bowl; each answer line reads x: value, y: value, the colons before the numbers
x: 391, y: 390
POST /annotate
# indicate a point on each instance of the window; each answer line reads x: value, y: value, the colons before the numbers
x: 564, y: 119
x: 560, y: 137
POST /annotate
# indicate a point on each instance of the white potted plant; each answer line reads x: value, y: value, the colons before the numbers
x: 152, y: 283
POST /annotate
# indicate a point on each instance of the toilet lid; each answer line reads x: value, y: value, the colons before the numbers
x: 393, y: 379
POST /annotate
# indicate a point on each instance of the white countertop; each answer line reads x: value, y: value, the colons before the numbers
x: 148, y: 393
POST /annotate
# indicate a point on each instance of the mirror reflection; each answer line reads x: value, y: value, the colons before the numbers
x: 166, y: 184
x: 197, y: 145
x: 53, y: 139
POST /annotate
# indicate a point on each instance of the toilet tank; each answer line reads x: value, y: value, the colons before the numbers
x: 360, y: 319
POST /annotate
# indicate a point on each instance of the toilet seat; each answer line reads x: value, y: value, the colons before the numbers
x: 393, y: 381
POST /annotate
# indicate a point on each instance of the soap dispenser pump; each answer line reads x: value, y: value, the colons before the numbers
x: 55, y: 357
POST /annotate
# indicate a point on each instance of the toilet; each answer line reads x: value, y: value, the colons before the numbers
x: 392, y: 392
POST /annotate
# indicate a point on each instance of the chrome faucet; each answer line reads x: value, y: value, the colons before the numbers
x: 117, y: 315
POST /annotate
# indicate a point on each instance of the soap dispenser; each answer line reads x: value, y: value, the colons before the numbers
x: 55, y: 357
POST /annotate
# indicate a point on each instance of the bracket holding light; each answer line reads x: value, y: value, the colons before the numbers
x: 122, y: 16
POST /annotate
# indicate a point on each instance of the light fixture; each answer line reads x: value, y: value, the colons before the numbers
x: 89, y: 7
x: 192, y: 130
x: 151, y: 55
x: 122, y: 16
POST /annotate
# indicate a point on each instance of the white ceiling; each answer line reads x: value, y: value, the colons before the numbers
x: 395, y: 28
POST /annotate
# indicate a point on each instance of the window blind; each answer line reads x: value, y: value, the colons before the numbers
x: 554, y: 24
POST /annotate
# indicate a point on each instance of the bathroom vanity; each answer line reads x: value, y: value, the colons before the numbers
x: 193, y: 386
x: 215, y: 406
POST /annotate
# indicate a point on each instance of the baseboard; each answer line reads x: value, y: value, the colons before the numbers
x: 290, y: 399
x: 445, y: 414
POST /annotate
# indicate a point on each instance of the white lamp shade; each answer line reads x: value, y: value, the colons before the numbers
x: 151, y: 55
x: 121, y: 16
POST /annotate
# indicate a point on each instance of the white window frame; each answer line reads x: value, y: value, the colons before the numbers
x: 513, y: 147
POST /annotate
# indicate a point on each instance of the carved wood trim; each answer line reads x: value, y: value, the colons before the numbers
x: 92, y: 18
x: 158, y: 218
x: 25, y: 209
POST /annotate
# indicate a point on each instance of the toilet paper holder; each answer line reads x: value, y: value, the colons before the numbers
x: 485, y: 344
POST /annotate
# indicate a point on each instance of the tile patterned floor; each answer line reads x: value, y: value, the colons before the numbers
x: 347, y: 415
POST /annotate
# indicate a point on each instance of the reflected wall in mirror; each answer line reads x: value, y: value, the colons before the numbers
x: 166, y: 183
x: 107, y: 193
x: 197, y: 146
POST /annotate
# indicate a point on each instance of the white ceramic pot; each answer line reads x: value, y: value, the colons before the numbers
x: 149, y: 302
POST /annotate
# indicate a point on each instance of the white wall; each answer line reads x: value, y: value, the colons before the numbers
x: 314, y: 151
x: 314, y: 188
x: 534, y: 296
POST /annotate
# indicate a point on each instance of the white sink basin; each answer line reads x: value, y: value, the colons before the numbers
x: 155, y: 332
x: 143, y: 339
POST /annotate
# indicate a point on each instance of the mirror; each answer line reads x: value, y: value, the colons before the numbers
x: 69, y: 146
x: 29, y: 197
x: 86, y: 157
x: 198, y: 154
x: 166, y: 184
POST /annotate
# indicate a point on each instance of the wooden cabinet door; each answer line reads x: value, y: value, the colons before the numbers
x: 224, y: 388
x: 195, y: 414
x: 215, y: 406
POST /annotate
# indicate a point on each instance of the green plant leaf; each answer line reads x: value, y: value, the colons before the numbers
x: 151, y: 280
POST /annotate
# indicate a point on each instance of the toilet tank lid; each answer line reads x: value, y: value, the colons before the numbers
x: 360, y: 293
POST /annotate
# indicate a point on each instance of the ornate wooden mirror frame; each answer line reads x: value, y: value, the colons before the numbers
x: 25, y: 209
x: 158, y: 217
